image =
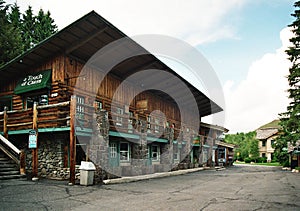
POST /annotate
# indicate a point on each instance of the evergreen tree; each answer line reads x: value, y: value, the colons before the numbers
x: 28, y: 28
x: 20, y: 32
x: 10, y: 37
x: 44, y: 26
x: 290, y: 120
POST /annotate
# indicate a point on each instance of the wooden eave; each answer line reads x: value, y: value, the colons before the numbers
x: 82, y: 39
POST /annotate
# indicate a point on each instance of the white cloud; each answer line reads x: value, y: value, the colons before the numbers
x: 259, y: 98
x: 194, y: 21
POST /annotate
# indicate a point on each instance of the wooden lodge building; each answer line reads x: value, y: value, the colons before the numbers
x: 48, y: 124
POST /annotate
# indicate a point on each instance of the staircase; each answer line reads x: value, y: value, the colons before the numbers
x: 8, y: 168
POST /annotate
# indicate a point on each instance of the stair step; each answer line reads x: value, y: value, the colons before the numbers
x: 9, y: 173
x: 3, y: 158
x: 12, y: 177
x: 7, y: 161
x: 8, y: 169
x: 7, y: 165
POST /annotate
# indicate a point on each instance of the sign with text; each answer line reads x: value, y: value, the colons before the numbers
x: 32, y: 142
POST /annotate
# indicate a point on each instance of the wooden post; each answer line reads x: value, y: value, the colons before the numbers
x: 22, y: 162
x: 35, y: 150
x: 72, y: 139
x: 5, y: 118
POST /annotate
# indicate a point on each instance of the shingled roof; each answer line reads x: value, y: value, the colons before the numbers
x: 266, y: 133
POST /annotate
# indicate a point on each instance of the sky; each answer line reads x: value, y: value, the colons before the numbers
x: 243, y: 40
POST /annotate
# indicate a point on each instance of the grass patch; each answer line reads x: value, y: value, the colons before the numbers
x: 261, y: 164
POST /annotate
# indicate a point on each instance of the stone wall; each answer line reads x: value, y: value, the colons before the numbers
x: 50, y: 156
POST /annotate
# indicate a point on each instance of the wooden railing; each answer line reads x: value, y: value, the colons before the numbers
x: 58, y: 115
x: 54, y: 115
x: 13, y: 152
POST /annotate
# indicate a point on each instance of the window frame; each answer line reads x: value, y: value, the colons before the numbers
x: 36, y: 96
x: 176, y: 152
x: 80, y: 100
x: 98, y: 104
x: 113, y: 150
x: 157, y: 158
x: 125, y: 151
x: 119, y: 119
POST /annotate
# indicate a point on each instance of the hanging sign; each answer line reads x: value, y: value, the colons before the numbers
x: 32, y: 143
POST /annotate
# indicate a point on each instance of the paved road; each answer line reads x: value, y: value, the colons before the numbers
x: 236, y: 188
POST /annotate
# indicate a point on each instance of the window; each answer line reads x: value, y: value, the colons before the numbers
x: 148, y: 124
x: 41, y: 99
x: 98, y: 105
x: 263, y: 155
x: 272, y: 143
x: 113, y: 150
x: 79, y: 107
x: 263, y: 143
x: 205, y: 154
x: 5, y: 101
x: 130, y: 122
x: 156, y: 126
x: 119, y: 118
x: 176, y: 152
x: 155, y: 153
x: 124, y: 151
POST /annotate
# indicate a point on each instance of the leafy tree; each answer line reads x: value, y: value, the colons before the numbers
x: 247, y: 145
x: 290, y: 120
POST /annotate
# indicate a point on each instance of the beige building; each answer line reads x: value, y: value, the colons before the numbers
x: 266, y: 137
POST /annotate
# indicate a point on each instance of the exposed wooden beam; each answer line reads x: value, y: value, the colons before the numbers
x: 85, y: 39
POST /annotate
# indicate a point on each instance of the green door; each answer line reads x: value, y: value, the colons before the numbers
x: 114, y: 158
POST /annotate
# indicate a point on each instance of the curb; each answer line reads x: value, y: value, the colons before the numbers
x: 150, y: 176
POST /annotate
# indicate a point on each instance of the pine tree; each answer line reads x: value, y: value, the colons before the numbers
x: 290, y: 120
x: 20, y: 32
x: 44, y: 26
x: 27, y: 27
x: 10, y: 37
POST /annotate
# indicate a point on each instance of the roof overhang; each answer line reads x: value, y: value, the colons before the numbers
x: 81, y: 40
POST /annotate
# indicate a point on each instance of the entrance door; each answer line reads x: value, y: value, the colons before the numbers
x: 114, y: 158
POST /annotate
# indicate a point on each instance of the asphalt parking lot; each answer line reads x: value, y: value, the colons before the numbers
x: 235, y: 188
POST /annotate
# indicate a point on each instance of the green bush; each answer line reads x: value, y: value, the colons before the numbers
x: 286, y: 164
x: 261, y: 160
x: 297, y: 168
x: 247, y: 160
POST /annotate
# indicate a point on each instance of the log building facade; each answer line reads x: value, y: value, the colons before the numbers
x: 59, y: 115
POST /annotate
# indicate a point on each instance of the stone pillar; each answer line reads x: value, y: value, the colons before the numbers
x: 209, y: 152
x: 99, y: 145
x: 186, y: 148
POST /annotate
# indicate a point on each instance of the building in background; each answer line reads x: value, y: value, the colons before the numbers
x: 266, y: 135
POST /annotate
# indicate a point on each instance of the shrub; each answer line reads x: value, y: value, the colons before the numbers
x: 261, y: 160
x: 247, y: 160
x: 286, y: 164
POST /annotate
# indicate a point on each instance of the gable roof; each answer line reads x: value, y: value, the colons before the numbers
x: 82, y: 39
x: 224, y: 144
x: 266, y: 133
